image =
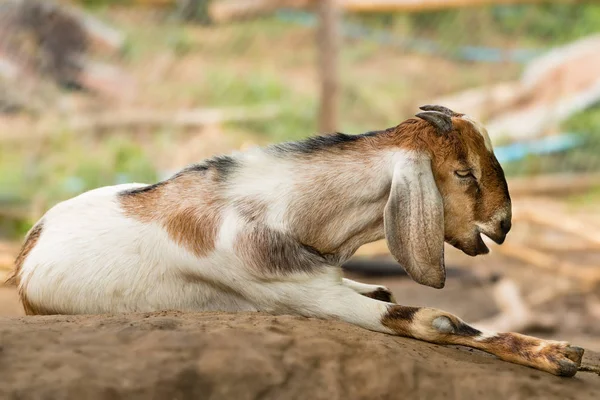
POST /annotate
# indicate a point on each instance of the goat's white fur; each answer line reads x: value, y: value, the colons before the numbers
x: 92, y: 258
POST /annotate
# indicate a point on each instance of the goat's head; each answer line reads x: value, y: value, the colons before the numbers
x: 453, y: 189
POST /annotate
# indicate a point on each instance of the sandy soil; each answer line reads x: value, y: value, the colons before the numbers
x: 251, y: 356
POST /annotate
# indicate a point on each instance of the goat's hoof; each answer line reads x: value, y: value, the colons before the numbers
x: 382, y: 294
x: 566, y: 358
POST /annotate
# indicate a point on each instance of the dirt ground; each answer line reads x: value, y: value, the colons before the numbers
x: 255, y: 356
x: 251, y: 356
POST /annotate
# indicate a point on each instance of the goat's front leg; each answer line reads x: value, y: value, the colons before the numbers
x: 376, y: 292
x: 435, y: 326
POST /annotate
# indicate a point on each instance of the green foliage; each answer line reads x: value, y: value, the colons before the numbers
x: 538, y: 24
x: 95, y: 4
x: 225, y: 88
x: 586, y: 122
x: 585, y: 158
x: 292, y: 124
x: 552, y: 22
x: 180, y: 42
x: 71, y: 167
x: 144, y: 40
x: 16, y: 228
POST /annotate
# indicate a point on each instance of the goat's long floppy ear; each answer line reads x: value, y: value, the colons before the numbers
x: 414, y: 223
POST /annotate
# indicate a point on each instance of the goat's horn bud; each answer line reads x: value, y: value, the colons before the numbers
x: 442, y: 122
x: 442, y: 109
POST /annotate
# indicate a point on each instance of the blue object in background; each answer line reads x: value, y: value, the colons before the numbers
x: 547, y: 145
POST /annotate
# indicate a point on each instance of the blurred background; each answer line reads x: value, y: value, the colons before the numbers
x: 100, y: 92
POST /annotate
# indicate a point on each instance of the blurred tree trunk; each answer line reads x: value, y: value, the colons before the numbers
x: 194, y: 10
x: 328, y: 41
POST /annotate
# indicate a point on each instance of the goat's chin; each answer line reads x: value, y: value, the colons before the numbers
x: 472, y: 247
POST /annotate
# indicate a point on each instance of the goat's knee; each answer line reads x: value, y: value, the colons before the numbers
x: 427, y: 324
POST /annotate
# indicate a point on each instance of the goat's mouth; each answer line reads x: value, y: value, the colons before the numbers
x: 498, y: 238
x: 479, y: 248
x: 473, y: 246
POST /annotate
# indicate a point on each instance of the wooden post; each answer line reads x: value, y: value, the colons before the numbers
x: 328, y: 43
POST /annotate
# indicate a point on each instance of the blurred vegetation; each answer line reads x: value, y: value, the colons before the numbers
x: 267, y: 61
x: 530, y: 24
x: 584, y: 158
x: 65, y: 167
x: 94, y: 4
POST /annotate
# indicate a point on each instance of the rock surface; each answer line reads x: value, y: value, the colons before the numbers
x: 174, y: 355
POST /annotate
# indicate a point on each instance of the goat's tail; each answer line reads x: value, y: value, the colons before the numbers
x: 30, y: 241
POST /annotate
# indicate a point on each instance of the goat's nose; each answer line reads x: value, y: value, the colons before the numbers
x: 505, y: 225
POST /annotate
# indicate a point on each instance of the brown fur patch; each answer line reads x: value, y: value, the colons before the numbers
x: 553, y: 357
x: 419, y: 322
x: 492, y: 179
x: 15, y: 279
x: 466, y: 201
x: 33, y: 309
x: 399, y: 319
x: 30, y: 241
x: 187, y: 206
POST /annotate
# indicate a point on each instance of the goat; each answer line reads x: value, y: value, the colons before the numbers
x: 267, y: 230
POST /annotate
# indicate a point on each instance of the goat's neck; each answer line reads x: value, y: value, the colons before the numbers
x: 337, y: 204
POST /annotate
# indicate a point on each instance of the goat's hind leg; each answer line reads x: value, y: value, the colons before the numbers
x: 376, y: 292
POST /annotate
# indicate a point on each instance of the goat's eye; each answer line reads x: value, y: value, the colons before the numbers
x: 464, y: 173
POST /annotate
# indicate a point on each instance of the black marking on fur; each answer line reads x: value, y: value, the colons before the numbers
x: 278, y: 253
x: 320, y: 143
x: 466, y: 330
x: 312, y: 250
x: 224, y: 165
x: 402, y: 312
x: 380, y: 294
x: 144, y: 189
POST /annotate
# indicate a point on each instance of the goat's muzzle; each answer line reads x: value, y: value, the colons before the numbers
x: 498, y: 235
